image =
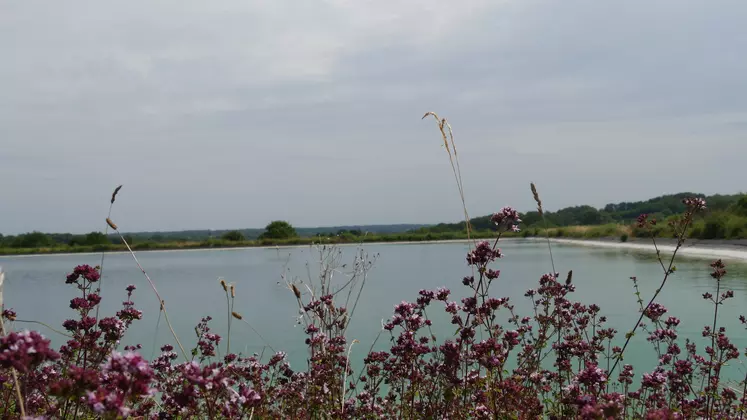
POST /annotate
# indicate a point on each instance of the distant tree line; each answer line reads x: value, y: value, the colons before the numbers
x: 724, y: 220
x: 45, y: 240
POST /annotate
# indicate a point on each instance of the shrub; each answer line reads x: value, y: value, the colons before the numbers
x: 624, y: 237
x: 714, y: 227
x: 740, y: 207
x: 736, y: 227
x: 279, y: 230
x: 697, y: 229
x: 233, y: 236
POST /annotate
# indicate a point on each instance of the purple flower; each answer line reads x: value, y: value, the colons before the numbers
x: 442, y: 293
x: 78, y: 303
x: 86, y: 271
x: 694, y: 203
x: 483, y: 254
x: 507, y: 217
x: 9, y: 314
x: 644, y: 221
x: 719, y: 270
x: 655, y: 311
x: 655, y: 379
x: 25, y: 350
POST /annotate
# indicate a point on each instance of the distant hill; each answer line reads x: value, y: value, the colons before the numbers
x: 624, y: 212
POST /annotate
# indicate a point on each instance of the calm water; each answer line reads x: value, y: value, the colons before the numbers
x: 187, y: 280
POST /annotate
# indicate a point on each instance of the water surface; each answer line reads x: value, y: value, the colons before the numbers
x: 188, y: 281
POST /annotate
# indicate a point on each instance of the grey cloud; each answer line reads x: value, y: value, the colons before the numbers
x: 229, y: 114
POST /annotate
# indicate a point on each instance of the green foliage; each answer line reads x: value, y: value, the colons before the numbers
x: 234, y: 236
x: 715, y: 226
x: 278, y: 230
x: 32, y: 240
x: 624, y: 237
x: 615, y: 213
x: 740, y: 206
x: 727, y: 220
x: 736, y: 227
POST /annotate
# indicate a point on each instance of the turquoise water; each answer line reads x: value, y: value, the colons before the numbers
x: 188, y: 281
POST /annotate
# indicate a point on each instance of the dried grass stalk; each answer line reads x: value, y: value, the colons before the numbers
x: 114, y: 194
x: 544, y: 222
x: 13, y: 372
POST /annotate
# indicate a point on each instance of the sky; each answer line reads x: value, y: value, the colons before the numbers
x: 229, y: 114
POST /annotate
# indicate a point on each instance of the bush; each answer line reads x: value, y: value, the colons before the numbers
x: 696, y: 231
x: 233, y: 236
x: 740, y: 207
x: 736, y: 227
x: 624, y: 237
x: 279, y: 230
x: 714, y: 227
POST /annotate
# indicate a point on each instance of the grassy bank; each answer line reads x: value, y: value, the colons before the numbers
x: 717, y: 225
x: 222, y: 243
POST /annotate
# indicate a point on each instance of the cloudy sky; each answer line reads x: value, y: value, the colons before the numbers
x: 226, y: 114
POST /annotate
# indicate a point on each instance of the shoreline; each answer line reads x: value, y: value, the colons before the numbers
x: 728, y: 250
x: 716, y: 248
x: 240, y: 248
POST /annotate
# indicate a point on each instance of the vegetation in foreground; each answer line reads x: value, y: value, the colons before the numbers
x: 496, y: 365
x: 559, y: 361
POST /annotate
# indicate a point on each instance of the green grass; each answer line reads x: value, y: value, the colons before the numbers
x: 586, y: 232
x: 223, y: 243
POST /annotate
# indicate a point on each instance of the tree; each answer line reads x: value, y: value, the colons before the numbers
x: 96, y: 238
x: 278, y: 229
x: 32, y: 240
x: 233, y: 235
x: 740, y: 207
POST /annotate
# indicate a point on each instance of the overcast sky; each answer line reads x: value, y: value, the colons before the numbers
x: 228, y: 114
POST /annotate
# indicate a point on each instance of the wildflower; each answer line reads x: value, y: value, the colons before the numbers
x: 79, y: 303
x: 9, y: 314
x: 507, y: 217
x: 93, y: 299
x: 655, y: 379
x: 25, y: 350
x: 655, y: 311
x: 442, y: 294
x: 719, y: 270
x: 483, y: 254
x: 694, y: 203
x: 592, y: 375
x: 86, y: 271
x: 644, y: 221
